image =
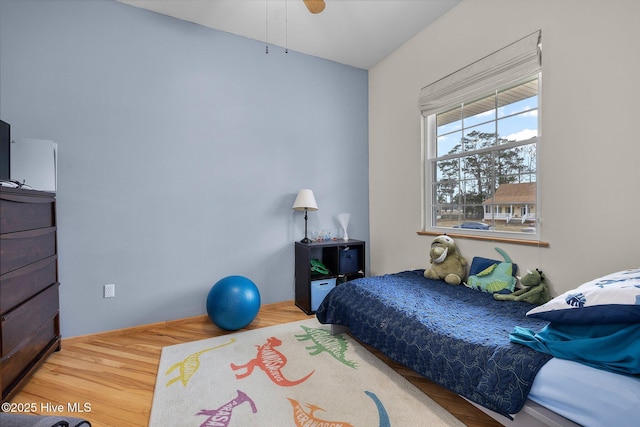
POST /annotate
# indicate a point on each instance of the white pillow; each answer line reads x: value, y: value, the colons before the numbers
x: 614, y: 298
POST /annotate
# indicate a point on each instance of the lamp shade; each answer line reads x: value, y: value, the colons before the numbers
x: 305, y: 201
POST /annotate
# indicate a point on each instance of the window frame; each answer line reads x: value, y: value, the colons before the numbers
x: 430, y: 159
x: 517, y: 63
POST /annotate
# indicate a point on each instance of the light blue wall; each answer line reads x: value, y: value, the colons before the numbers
x: 181, y: 149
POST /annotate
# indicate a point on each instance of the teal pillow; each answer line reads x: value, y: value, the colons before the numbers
x: 492, y: 276
x: 478, y: 264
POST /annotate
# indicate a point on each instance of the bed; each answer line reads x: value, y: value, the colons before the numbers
x: 463, y: 339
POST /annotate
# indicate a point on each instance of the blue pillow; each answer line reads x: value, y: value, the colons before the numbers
x: 614, y: 298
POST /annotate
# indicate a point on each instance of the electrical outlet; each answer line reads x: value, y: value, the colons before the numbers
x: 109, y: 291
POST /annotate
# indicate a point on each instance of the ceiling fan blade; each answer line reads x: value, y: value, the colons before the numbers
x: 314, y: 6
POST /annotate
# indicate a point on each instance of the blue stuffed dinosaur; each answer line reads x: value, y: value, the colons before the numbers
x: 494, y: 278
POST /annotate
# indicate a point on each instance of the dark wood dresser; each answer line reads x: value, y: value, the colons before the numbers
x: 29, y: 304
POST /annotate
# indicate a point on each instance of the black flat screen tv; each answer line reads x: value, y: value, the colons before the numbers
x: 5, y: 150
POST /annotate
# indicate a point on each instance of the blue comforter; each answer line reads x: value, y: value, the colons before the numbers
x: 455, y: 336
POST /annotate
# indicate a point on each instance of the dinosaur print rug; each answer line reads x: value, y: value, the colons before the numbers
x: 296, y: 374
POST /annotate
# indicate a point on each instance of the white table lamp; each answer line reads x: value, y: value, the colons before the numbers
x: 305, y: 201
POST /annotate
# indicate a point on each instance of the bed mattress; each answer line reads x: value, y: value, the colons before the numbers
x: 455, y: 336
x: 588, y: 396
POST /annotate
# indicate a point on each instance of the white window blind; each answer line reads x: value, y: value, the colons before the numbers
x: 512, y: 62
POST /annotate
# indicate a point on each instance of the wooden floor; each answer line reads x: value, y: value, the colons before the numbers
x: 111, y: 376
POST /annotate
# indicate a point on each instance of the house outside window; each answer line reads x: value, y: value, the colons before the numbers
x: 481, y: 137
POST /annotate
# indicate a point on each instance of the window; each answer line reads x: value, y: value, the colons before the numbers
x: 481, y: 138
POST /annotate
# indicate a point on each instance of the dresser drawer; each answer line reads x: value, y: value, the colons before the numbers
x: 26, y: 247
x: 21, y: 284
x: 13, y: 366
x: 22, y: 322
x: 19, y: 212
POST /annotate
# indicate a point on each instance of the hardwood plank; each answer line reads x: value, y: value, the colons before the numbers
x: 115, y: 372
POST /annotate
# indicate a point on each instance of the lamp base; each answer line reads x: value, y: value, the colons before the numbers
x: 305, y: 240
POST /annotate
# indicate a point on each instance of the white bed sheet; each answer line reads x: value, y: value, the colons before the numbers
x: 588, y: 396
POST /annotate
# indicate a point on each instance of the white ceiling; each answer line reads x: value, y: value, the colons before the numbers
x: 359, y: 33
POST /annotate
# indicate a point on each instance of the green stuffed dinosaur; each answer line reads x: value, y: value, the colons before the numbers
x: 494, y: 278
x: 535, y: 291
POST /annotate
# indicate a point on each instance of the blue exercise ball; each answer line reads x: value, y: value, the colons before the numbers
x: 233, y: 302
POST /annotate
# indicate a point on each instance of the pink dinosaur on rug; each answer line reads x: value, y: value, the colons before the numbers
x: 222, y: 416
x: 271, y: 361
